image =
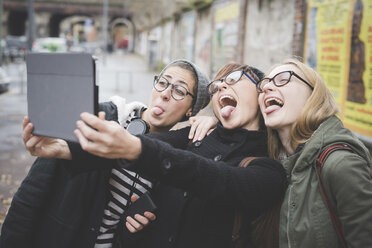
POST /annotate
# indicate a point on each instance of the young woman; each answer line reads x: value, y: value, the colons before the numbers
x: 79, y: 203
x: 200, y: 184
x: 300, y: 113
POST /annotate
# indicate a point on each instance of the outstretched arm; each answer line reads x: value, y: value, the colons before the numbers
x: 255, y: 187
x: 262, y: 182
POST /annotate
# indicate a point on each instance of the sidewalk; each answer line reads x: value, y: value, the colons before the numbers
x: 124, y: 75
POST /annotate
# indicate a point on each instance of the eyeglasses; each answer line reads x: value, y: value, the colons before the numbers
x: 230, y: 79
x: 178, y: 92
x: 279, y: 80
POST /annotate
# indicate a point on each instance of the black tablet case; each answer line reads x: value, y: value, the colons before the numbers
x: 60, y: 86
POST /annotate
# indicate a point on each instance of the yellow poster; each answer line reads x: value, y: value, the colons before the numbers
x: 338, y: 45
x: 327, y: 47
x: 358, y: 107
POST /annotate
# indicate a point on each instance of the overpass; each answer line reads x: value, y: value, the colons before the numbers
x: 54, y: 18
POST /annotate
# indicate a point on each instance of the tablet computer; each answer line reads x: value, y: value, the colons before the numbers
x: 60, y: 86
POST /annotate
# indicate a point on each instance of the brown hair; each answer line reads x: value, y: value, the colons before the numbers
x: 320, y: 106
x: 255, y: 73
x: 252, y: 71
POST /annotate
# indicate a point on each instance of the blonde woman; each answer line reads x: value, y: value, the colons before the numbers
x: 300, y: 114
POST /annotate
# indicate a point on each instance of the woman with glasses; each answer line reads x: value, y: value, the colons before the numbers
x: 300, y: 114
x: 200, y: 185
x: 79, y: 202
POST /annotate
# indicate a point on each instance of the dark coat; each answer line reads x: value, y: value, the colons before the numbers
x: 199, y: 192
x: 60, y: 203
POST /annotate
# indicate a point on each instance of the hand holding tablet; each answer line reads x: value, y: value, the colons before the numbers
x: 60, y: 86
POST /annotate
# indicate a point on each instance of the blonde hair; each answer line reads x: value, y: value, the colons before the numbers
x: 320, y: 106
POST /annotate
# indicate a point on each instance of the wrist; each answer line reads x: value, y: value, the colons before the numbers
x: 135, y: 148
x: 64, y: 152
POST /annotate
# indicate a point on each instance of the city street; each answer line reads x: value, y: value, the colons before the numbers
x: 124, y: 75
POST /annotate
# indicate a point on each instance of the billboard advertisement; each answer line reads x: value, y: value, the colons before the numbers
x: 338, y: 45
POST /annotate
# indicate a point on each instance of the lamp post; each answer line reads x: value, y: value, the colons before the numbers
x: 1, y: 33
x: 31, y: 25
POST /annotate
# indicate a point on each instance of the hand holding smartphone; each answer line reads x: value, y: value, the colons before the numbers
x: 144, y: 203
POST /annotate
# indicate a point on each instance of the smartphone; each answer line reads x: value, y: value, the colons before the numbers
x: 143, y: 204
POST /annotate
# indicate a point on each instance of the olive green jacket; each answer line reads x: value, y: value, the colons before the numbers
x: 304, y: 218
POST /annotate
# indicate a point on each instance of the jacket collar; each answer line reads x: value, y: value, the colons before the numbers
x: 250, y: 141
x: 238, y: 134
x: 330, y: 132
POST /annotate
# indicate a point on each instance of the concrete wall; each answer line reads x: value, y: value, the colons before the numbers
x: 219, y: 34
x: 269, y: 32
x: 166, y: 43
x: 203, y: 40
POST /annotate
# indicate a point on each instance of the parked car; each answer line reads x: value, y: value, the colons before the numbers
x: 4, y: 81
x: 49, y: 44
x: 15, y: 47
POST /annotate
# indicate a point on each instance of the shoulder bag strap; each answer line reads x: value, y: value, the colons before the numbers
x: 319, y: 164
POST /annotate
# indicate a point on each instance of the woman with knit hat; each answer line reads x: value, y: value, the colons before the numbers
x: 62, y: 204
x: 200, y: 185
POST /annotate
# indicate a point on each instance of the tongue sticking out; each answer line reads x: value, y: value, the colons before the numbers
x: 157, y: 111
x: 226, y: 111
x: 271, y: 108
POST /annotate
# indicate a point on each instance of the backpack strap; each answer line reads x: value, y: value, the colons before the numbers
x: 319, y: 164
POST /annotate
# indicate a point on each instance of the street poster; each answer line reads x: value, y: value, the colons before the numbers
x: 338, y: 45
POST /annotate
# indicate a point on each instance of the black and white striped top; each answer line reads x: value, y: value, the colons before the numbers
x: 122, y: 185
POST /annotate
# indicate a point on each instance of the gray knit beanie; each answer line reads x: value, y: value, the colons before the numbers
x: 202, y: 97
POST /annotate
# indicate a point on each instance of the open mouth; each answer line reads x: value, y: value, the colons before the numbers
x: 228, y: 104
x: 271, y: 101
x: 227, y: 100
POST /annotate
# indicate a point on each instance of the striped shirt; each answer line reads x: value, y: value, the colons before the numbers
x: 122, y: 185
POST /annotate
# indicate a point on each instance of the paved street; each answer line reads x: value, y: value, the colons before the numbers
x: 124, y: 75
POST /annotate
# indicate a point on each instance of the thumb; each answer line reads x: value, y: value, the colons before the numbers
x: 102, y: 115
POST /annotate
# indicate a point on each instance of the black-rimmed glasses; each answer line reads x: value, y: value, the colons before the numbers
x: 230, y: 79
x: 178, y: 92
x: 279, y: 80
